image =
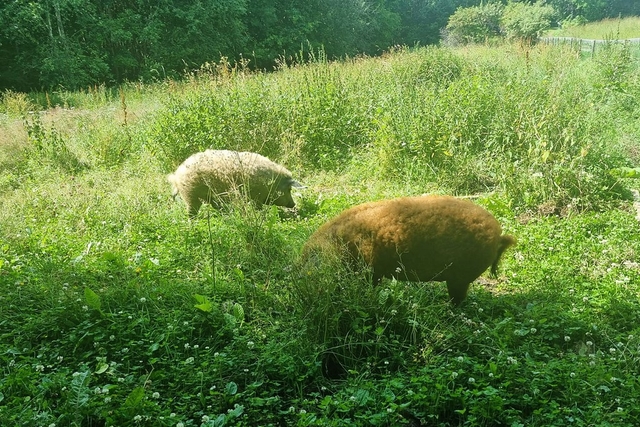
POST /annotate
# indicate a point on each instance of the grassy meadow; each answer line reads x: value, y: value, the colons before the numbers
x: 117, y: 310
x: 607, y: 29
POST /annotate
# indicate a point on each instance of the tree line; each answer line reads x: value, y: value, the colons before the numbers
x: 72, y: 44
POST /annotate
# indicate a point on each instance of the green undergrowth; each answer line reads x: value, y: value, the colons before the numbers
x: 116, y: 309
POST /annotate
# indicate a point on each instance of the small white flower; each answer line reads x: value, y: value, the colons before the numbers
x: 196, y: 346
x: 250, y: 344
x: 156, y: 395
x: 85, y: 308
x: 137, y: 418
x: 454, y: 375
x: 180, y: 425
x: 480, y: 310
x: 572, y: 374
x: 112, y: 337
x: 205, y: 418
x: 302, y: 411
x: 490, y: 374
x: 107, y: 399
x: 612, y: 350
x: 619, y: 409
x: 460, y: 359
x: 472, y: 380
x: 173, y: 414
x: 589, y: 343
x: 187, y: 346
x: 39, y: 368
x: 533, y: 330
x: 189, y: 360
x: 143, y: 299
x: 567, y: 338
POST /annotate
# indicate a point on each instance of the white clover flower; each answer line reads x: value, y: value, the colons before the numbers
x: 572, y: 374
x: 612, y: 350
x: 173, y: 414
x: 39, y: 368
x: 460, y: 359
x: 302, y: 411
x: 180, y: 424
x: 189, y: 360
x: 112, y: 337
x: 250, y: 344
x: 156, y: 395
x: 85, y: 308
x: 137, y: 418
x: 107, y: 399
x: 512, y: 360
x: 490, y: 374
x: 454, y: 375
x: 187, y: 346
x: 533, y: 330
x: 143, y: 299
x: 589, y: 343
x: 120, y: 380
x: 567, y: 338
x: 52, y: 425
x: 196, y: 346
x: 471, y: 380
x: 480, y: 310
x: 205, y: 418
x: 619, y: 409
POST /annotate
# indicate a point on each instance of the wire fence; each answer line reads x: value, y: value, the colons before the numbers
x: 592, y: 45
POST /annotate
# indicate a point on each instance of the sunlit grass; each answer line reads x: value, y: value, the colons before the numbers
x: 116, y: 309
x: 607, y: 29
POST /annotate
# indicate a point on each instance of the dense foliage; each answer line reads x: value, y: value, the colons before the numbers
x: 70, y: 44
x: 116, y: 310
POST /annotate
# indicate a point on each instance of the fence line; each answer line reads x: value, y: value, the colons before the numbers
x: 586, y: 44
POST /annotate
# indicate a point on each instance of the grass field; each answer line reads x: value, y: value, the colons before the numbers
x: 608, y: 29
x: 117, y: 310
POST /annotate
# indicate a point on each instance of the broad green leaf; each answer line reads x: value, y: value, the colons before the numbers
x: 102, y: 368
x: 203, y: 303
x: 232, y: 388
x: 92, y: 299
x: 135, y: 397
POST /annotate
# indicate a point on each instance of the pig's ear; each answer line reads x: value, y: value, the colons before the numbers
x: 296, y: 184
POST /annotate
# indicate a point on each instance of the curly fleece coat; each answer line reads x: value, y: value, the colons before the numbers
x: 439, y: 238
x: 214, y: 174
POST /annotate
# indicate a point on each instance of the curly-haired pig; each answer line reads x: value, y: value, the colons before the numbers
x: 425, y: 238
x: 214, y: 174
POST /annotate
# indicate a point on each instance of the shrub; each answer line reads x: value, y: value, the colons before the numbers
x: 474, y: 24
x: 525, y: 22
